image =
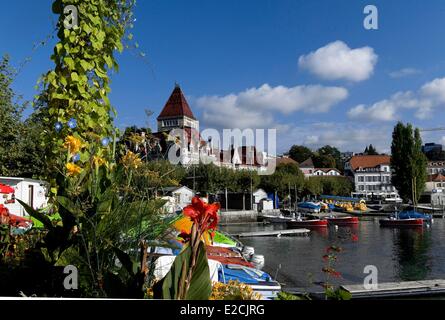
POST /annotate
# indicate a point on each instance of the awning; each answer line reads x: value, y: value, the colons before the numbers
x: 6, y: 189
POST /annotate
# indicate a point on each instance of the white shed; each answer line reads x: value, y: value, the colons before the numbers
x: 182, y: 195
x: 33, y: 192
x: 259, y: 195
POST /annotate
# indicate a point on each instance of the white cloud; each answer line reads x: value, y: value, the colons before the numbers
x: 254, y: 107
x: 435, y: 90
x: 405, y: 72
x: 431, y: 95
x: 337, y: 61
x: 346, y: 136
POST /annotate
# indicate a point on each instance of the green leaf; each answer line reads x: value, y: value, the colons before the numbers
x: 125, y: 259
x: 69, y: 62
x: 69, y: 206
x: 200, y: 286
x: 37, y: 215
x: 85, y: 65
x: 59, y: 47
x: 109, y: 61
x: 74, y: 76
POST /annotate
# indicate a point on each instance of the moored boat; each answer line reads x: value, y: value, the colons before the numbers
x: 258, y: 280
x: 306, y: 223
x: 394, y: 222
x: 309, y: 206
x: 413, y: 214
x: 275, y: 219
x: 342, y: 220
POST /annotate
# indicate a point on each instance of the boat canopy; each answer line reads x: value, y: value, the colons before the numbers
x: 338, y: 198
x: 412, y: 214
x: 243, y: 274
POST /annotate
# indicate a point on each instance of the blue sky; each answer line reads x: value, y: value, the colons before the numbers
x: 307, y: 68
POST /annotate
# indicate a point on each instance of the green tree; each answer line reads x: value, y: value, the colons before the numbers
x: 408, y: 162
x: 324, y: 161
x: 300, y: 153
x: 370, y: 150
x: 286, y: 176
x: 326, y: 154
x: 20, y: 151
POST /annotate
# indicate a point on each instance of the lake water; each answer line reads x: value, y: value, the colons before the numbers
x: 398, y: 254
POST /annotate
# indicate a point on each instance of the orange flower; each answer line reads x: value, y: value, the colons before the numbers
x: 73, y: 169
x: 72, y: 144
x: 98, y: 161
x: 131, y: 160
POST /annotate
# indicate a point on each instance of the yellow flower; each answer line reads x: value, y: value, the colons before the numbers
x: 233, y: 290
x: 73, y: 169
x: 72, y: 144
x: 98, y: 161
x: 131, y: 160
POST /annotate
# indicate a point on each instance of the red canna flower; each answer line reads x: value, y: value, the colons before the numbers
x: 203, y: 214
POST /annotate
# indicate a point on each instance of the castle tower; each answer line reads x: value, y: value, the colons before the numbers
x: 176, y: 113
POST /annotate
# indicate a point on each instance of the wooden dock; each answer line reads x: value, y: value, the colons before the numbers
x: 398, y: 289
x: 272, y: 233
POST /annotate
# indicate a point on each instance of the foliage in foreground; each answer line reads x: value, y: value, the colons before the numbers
x: 233, y: 290
x: 189, y: 276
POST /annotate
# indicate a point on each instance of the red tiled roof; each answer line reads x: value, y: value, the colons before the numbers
x: 368, y: 161
x: 438, y: 177
x: 176, y: 106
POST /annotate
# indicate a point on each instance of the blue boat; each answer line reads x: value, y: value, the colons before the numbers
x: 260, y: 281
x: 412, y: 214
x: 309, y: 206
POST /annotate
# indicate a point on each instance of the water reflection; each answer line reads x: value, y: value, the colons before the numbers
x: 412, y: 252
x: 399, y: 254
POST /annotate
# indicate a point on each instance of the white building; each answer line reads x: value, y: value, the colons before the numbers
x: 177, y: 198
x: 371, y: 174
x: 435, y: 167
x: 435, y: 183
x: 33, y: 192
x: 309, y: 170
x: 326, y: 172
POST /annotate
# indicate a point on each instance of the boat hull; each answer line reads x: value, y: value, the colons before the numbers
x: 401, y: 222
x: 310, y: 223
x: 341, y: 221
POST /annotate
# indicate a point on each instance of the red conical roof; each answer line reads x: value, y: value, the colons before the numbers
x: 176, y: 106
